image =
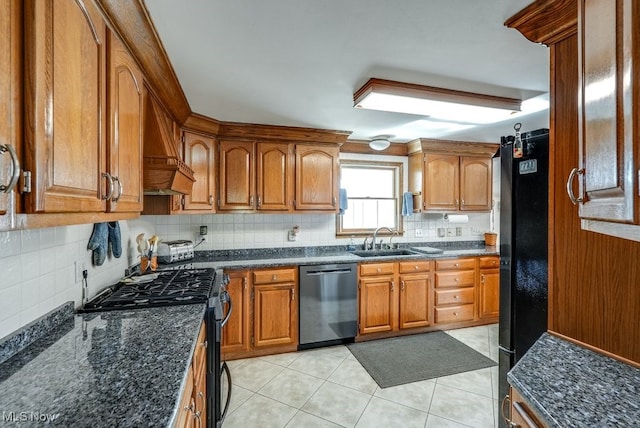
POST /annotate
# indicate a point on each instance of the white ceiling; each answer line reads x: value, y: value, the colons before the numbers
x: 298, y: 62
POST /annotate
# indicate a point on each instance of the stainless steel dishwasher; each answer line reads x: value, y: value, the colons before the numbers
x: 328, y: 304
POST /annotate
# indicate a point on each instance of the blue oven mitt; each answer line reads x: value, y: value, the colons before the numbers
x: 114, y: 238
x: 98, y: 243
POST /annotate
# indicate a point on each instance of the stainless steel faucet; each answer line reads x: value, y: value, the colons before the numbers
x: 375, y: 234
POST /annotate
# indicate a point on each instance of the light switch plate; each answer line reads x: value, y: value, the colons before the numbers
x: 418, y: 233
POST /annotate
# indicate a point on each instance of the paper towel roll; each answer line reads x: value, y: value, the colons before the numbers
x: 457, y: 218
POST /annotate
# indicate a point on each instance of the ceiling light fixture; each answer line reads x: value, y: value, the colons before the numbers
x: 380, y: 142
x: 435, y: 103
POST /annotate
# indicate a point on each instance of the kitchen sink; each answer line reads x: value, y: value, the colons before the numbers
x: 384, y: 253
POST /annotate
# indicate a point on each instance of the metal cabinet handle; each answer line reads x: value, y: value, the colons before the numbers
x: 402, y: 285
x: 15, y: 165
x: 210, y: 199
x: 251, y: 200
x: 481, y: 278
x: 457, y: 202
x: 393, y: 285
x: 293, y: 294
x: 259, y: 201
x: 334, y: 201
x: 109, y: 177
x: 574, y: 172
x: 507, y: 400
x: 462, y: 202
x: 120, y: 189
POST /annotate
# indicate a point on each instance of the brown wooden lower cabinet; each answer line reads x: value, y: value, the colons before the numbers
x: 394, y: 296
x: 454, y: 294
x: 192, y: 411
x: 264, y: 319
x: 489, y: 288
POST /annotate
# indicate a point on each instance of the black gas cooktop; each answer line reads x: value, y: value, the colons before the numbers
x: 185, y: 285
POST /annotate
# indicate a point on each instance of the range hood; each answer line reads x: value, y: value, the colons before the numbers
x: 164, y: 172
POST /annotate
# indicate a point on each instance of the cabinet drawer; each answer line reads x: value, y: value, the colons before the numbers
x: 454, y: 296
x: 459, y: 264
x: 454, y: 313
x: 274, y: 276
x: 489, y: 262
x: 415, y: 266
x: 377, y: 269
x: 465, y: 278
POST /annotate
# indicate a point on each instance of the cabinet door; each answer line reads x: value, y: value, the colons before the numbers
x: 378, y: 304
x: 317, y: 175
x: 125, y: 128
x: 476, y: 183
x: 274, y: 177
x: 441, y: 182
x: 235, y: 334
x: 199, y: 155
x: 236, y: 175
x: 275, y: 311
x: 65, y: 105
x: 414, y: 301
x: 489, y: 293
x: 11, y: 107
x: 607, y: 121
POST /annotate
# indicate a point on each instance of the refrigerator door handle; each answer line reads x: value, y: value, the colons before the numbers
x: 506, y: 350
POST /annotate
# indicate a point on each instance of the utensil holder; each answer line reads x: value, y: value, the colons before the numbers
x: 490, y: 239
x: 146, y: 263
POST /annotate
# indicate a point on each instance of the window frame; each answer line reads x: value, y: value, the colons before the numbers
x: 398, y: 168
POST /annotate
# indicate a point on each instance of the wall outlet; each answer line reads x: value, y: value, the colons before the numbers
x: 449, y: 231
x: 418, y: 233
x: 80, y: 267
x: 458, y: 231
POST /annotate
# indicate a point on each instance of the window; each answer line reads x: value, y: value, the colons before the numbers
x: 374, y: 192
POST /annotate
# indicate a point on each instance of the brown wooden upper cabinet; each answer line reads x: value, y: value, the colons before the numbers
x: 451, y: 176
x: 274, y: 175
x: 126, y: 100
x: 267, y: 176
x: 199, y: 154
x: 236, y: 175
x: 317, y: 177
x: 78, y: 132
x: 11, y: 107
x: 607, y: 170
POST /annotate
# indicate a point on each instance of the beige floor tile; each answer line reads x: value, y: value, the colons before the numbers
x: 338, y: 351
x: 351, y: 374
x: 291, y: 387
x: 434, y: 421
x: 260, y: 412
x: 417, y: 395
x: 337, y: 404
x: 316, y: 364
x: 383, y: 413
x: 463, y: 407
x: 477, y: 381
x: 283, y: 360
x: 238, y: 396
x: 495, y: 374
x: 254, y: 374
x: 305, y: 420
x: 474, y: 337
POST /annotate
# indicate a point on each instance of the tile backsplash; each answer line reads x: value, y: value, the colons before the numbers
x: 38, y: 265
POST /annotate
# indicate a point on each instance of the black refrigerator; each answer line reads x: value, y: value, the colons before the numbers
x: 524, y: 203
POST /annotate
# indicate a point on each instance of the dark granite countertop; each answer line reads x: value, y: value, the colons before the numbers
x: 571, y: 386
x: 274, y: 257
x: 117, y: 368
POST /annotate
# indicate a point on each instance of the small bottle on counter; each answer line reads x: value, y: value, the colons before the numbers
x: 352, y: 244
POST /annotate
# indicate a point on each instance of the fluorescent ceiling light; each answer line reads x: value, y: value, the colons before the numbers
x: 435, y: 103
